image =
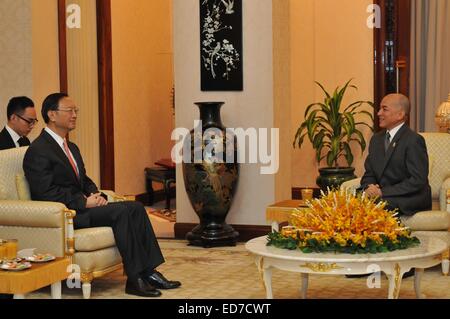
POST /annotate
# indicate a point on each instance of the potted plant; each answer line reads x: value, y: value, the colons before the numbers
x: 331, y: 127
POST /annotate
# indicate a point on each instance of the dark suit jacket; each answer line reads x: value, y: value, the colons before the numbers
x: 51, y: 177
x: 6, y: 141
x: 402, y: 172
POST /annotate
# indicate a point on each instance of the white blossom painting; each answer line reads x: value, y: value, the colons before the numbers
x: 221, y: 45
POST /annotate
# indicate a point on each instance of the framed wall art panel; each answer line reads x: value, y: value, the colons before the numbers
x: 221, y: 45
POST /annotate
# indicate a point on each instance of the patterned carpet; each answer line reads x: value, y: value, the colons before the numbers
x: 230, y: 272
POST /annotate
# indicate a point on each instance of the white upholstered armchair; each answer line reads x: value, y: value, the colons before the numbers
x: 435, y: 222
x: 48, y: 226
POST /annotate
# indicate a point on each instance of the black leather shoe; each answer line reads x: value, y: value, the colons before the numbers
x: 357, y: 276
x: 141, y: 288
x: 157, y: 280
x: 409, y: 273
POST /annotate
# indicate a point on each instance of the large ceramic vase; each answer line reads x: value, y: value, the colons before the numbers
x: 333, y: 177
x: 211, y: 184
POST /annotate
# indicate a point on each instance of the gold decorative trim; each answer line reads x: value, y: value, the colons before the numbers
x: 70, y: 214
x: 70, y: 246
x: 64, y: 231
x: 446, y: 254
x: 397, y: 279
x: 86, y: 277
x: 118, y: 198
x: 70, y: 242
x: 321, y: 267
x: 103, y: 272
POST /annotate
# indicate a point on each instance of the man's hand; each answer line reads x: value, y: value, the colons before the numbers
x: 95, y: 200
x: 374, y: 191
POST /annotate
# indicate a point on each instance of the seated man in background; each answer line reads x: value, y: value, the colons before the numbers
x: 55, y: 171
x: 21, y: 120
x: 396, y: 169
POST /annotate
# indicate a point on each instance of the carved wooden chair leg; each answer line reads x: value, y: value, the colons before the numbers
x: 86, y: 279
x: 445, y: 262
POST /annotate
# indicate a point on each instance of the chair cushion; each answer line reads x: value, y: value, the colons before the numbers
x: 11, y: 164
x: 23, y: 189
x: 428, y: 220
x: 97, y: 262
x: 2, y: 192
x: 96, y: 238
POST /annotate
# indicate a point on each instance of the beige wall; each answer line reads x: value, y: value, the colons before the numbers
x: 331, y: 43
x: 28, y: 52
x: 15, y: 52
x: 142, y: 81
x: 282, y: 94
x: 252, y: 107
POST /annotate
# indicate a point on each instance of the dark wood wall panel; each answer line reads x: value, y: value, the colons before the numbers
x: 62, y: 46
x: 392, y: 49
x: 106, y: 103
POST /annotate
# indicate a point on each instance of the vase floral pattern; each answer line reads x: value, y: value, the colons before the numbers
x: 211, y: 185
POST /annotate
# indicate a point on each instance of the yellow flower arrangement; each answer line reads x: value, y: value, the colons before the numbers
x: 345, y: 222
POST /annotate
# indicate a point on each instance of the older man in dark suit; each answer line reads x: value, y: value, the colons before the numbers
x: 397, y: 164
x: 21, y: 120
x: 55, y: 171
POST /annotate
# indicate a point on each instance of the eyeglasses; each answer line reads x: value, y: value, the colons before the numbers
x: 30, y: 122
x: 72, y: 110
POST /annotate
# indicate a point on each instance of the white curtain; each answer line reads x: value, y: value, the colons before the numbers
x: 430, y: 61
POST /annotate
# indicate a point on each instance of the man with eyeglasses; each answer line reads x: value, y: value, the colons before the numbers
x: 55, y: 172
x: 21, y: 120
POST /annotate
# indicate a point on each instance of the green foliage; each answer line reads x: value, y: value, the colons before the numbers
x: 276, y: 239
x: 331, y: 128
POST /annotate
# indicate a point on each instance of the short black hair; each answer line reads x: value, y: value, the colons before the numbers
x: 51, y: 103
x: 17, y: 105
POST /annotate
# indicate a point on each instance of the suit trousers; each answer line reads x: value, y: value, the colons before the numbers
x: 133, y: 233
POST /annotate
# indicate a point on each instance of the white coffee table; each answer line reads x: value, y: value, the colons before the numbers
x: 393, y: 264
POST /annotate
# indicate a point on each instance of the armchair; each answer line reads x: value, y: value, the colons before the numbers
x: 435, y: 222
x: 48, y: 226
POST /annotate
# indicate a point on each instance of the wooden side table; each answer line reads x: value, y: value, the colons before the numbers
x: 281, y: 211
x: 163, y: 175
x: 40, y: 275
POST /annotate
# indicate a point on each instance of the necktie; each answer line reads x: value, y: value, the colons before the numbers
x: 387, y: 141
x: 72, y: 162
x: 23, y: 141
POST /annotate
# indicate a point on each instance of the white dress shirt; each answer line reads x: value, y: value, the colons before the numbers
x: 394, y: 131
x: 15, y: 137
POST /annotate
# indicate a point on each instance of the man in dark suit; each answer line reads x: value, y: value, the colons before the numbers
x: 397, y: 164
x: 55, y: 171
x: 21, y: 120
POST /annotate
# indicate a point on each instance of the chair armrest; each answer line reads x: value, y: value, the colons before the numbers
x: 352, y: 184
x: 113, y: 197
x: 444, y: 195
x: 32, y: 214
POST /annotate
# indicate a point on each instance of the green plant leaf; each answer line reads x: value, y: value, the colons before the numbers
x: 323, y: 89
x: 331, y: 130
x: 361, y: 141
x: 309, y: 107
x: 348, y: 154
